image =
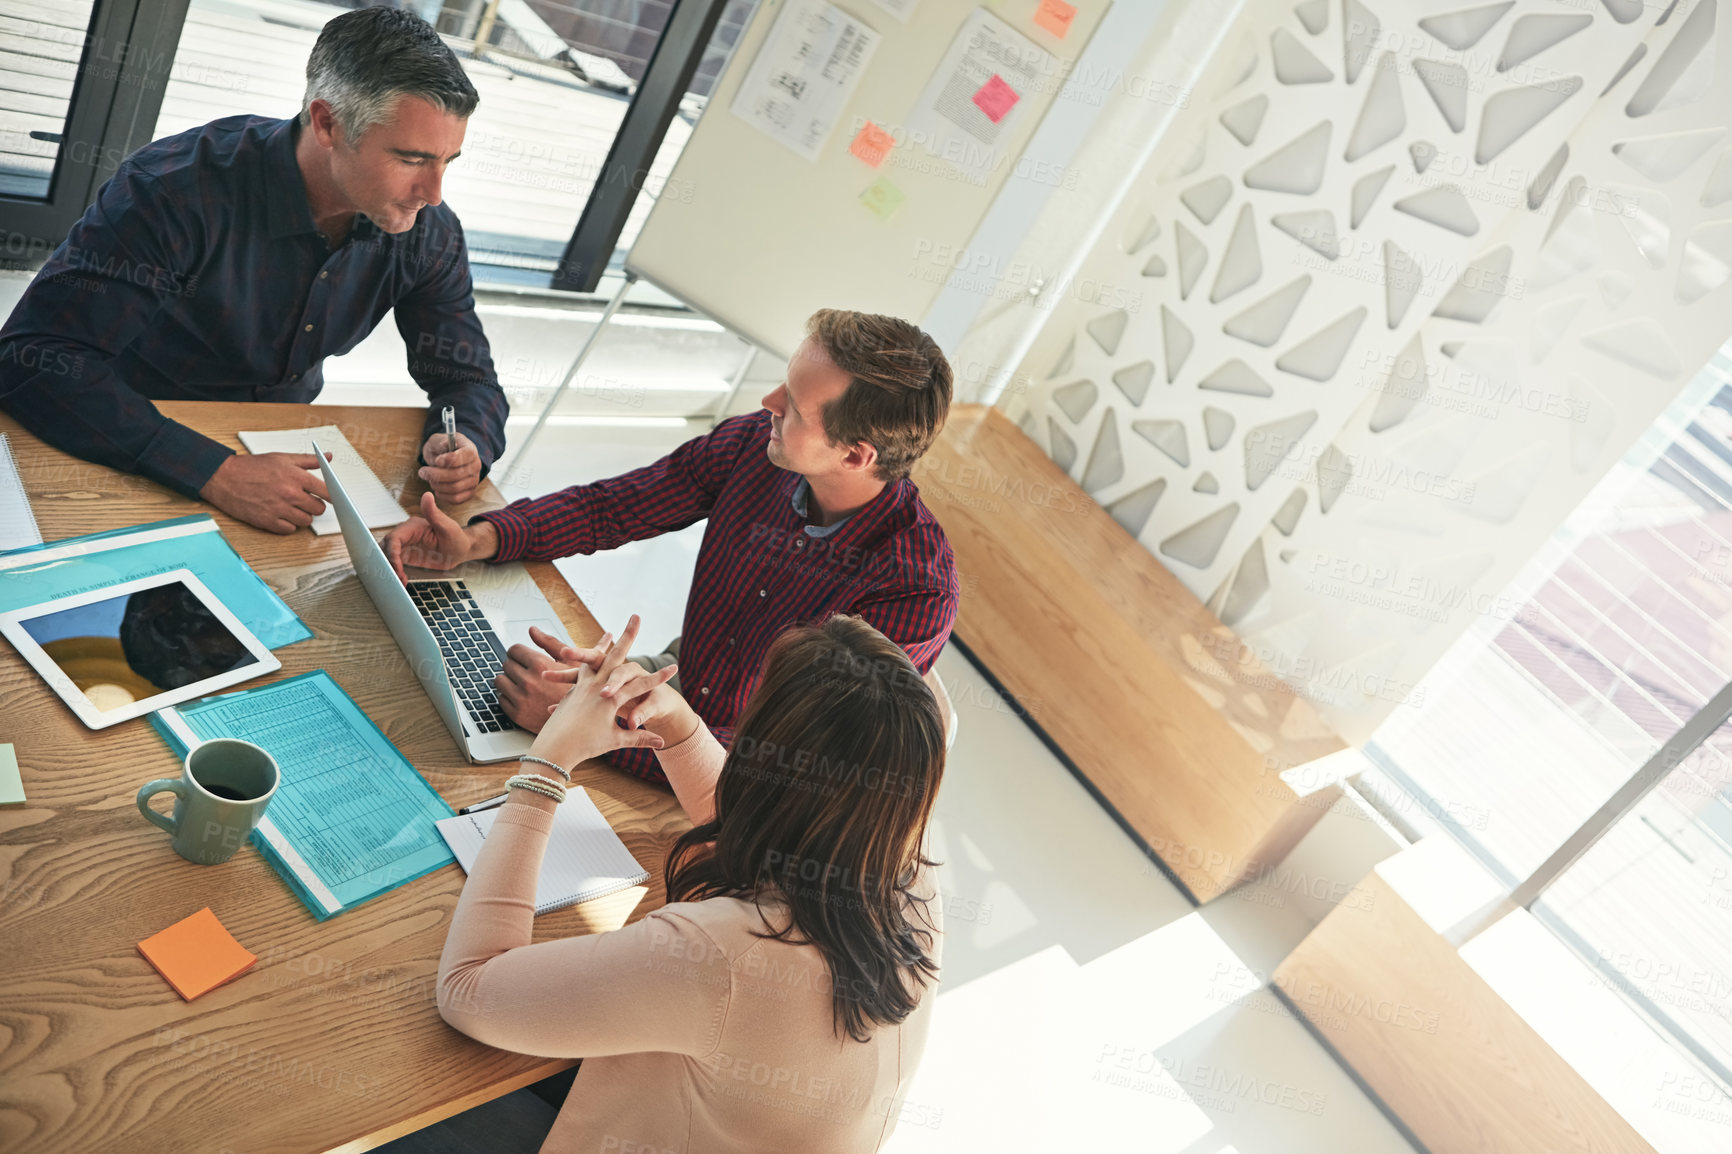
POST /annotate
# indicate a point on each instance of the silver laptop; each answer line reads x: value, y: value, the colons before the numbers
x: 453, y: 630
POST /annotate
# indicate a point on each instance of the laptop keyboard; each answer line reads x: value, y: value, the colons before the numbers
x: 473, y: 655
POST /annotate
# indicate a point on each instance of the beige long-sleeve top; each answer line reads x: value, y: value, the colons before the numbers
x: 697, y: 1036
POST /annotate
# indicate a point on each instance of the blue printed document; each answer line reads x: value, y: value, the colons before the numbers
x: 351, y: 818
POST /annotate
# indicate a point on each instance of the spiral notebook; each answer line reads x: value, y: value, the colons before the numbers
x: 585, y: 859
x: 17, y: 521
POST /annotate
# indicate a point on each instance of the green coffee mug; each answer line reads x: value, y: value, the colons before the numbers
x: 220, y: 797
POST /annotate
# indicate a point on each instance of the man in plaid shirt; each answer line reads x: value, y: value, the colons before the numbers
x: 226, y: 262
x: 810, y: 510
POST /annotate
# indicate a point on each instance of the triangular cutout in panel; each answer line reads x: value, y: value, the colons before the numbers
x: 1217, y: 426
x: 1236, y: 377
x: 1509, y: 115
x: 1242, y: 263
x: 1076, y: 399
x: 1266, y: 446
x: 1264, y: 322
x: 1334, y: 471
x: 1443, y: 206
x: 1365, y: 191
x: 1108, y: 330
x: 1707, y: 261
x: 1198, y: 544
x: 1447, y: 86
x: 1624, y: 68
x: 1296, y: 166
x: 1464, y: 28
x: 1660, y: 158
x: 1245, y: 118
x: 1383, y: 115
x: 1548, y: 176
x: 1177, y: 340
x: 1423, y: 153
x: 1156, y: 266
x: 1640, y: 343
x: 1193, y: 254
x: 1207, y: 199
x: 1132, y: 510
x: 1293, y: 62
x: 1359, y: 29
x: 1315, y: 229
x: 1167, y: 436
x: 1133, y: 380
x: 1063, y: 451
x: 1718, y: 190
x: 1318, y: 357
x: 1313, y: 14
x: 1402, y: 279
x: 1286, y: 518
x: 1482, y: 284
x: 1535, y: 32
x: 1206, y: 484
x: 1106, y: 462
x: 1403, y: 387
x: 1673, y: 80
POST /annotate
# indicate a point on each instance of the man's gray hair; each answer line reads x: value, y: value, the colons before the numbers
x: 364, y: 60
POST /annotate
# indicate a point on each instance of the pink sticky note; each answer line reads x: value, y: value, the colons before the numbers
x: 996, y: 98
x: 872, y: 144
x: 1055, y: 16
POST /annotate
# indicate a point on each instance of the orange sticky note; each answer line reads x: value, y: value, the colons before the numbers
x: 196, y: 954
x: 872, y: 144
x: 1055, y: 16
x: 996, y: 98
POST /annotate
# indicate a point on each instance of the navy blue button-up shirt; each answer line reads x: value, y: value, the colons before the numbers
x: 199, y: 275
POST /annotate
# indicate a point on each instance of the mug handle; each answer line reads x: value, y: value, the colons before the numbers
x: 174, y: 786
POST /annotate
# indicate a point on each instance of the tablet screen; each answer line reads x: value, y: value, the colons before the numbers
x: 136, y: 645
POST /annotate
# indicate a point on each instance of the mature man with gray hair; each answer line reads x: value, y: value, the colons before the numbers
x: 227, y: 262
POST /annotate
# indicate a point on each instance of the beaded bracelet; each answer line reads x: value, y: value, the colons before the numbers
x: 553, y: 765
x: 535, y: 783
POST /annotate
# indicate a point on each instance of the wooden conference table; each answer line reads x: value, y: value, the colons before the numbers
x: 332, y: 1041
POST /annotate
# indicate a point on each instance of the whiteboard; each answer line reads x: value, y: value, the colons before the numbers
x: 755, y: 236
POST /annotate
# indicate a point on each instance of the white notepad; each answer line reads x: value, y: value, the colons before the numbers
x: 17, y: 521
x: 377, y: 507
x: 585, y: 859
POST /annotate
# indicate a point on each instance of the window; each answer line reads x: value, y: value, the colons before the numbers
x: 1534, y: 724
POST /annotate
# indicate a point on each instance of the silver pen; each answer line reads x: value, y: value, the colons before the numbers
x: 449, y: 416
x: 488, y: 804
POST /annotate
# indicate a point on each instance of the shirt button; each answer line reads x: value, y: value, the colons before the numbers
x: 309, y: 328
x: 705, y: 691
x: 730, y: 641
x: 800, y: 544
x: 324, y: 274
x: 294, y: 376
x: 762, y: 592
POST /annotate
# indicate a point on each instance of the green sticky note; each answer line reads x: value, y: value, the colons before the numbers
x: 11, y: 785
x: 883, y: 198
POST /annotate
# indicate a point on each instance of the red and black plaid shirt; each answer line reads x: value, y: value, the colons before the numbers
x: 758, y: 571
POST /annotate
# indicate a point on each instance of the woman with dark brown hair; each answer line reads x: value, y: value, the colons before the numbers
x: 780, y: 1001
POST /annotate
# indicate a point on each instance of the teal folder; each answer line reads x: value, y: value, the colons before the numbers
x: 39, y: 573
x: 351, y: 818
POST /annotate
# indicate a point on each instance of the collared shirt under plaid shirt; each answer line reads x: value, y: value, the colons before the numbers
x: 758, y: 571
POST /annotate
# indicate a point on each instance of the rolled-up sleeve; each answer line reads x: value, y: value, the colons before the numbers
x: 448, y: 352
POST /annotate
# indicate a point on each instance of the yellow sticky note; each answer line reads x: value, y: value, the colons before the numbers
x: 883, y: 198
x: 1055, y: 16
x: 872, y: 144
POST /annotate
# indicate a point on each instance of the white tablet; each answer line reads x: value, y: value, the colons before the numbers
x: 124, y: 650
